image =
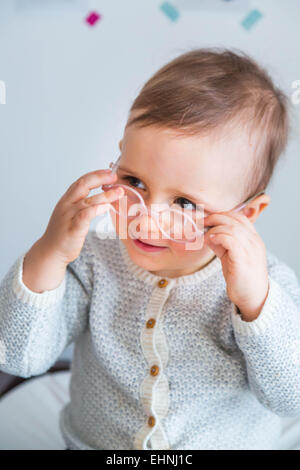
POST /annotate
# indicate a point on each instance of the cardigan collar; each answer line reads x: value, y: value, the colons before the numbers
x: 214, y: 266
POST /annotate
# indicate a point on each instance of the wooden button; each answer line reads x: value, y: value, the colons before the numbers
x: 154, y: 370
x: 151, y: 421
x: 162, y: 283
x: 150, y: 323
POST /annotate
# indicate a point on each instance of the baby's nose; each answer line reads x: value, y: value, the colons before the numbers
x: 148, y: 227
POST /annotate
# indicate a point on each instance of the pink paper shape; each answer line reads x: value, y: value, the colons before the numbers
x: 93, y: 18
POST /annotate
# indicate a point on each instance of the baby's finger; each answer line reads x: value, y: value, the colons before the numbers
x: 81, y: 188
x: 239, y: 232
x: 239, y: 216
x: 102, y: 198
x: 226, y: 219
x: 83, y: 217
x: 222, y: 243
x: 80, y: 223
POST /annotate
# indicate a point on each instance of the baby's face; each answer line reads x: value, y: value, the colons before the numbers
x: 210, y: 169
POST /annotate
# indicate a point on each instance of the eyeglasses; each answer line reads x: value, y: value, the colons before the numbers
x: 180, y: 225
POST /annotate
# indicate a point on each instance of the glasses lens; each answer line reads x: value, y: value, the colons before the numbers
x: 128, y: 204
x: 176, y: 223
x: 181, y: 224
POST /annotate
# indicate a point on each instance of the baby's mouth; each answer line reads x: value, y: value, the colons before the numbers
x: 150, y: 244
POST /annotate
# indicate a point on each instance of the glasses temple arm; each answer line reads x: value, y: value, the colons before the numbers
x: 240, y: 206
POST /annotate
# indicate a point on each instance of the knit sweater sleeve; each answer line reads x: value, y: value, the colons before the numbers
x: 271, y: 343
x: 35, y: 328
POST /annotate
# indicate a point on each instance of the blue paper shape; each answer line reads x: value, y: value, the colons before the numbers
x: 170, y: 11
x: 251, y: 19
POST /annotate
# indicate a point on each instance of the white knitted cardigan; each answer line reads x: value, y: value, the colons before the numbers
x: 159, y: 363
x: 154, y: 391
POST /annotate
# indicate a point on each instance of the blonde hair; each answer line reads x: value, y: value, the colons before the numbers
x: 205, y: 89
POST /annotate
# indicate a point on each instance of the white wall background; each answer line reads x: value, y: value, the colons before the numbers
x: 69, y: 88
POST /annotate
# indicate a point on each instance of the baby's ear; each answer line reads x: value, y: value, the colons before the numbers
x: 120, y: 144
x: 263, y: 202
x: 256, y: 206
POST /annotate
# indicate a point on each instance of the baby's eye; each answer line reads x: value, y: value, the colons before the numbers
x: 185, y: 203
x: 182, y: 201
x: 132, y: 180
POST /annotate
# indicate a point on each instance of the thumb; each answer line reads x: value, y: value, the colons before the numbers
x: 218, y: 249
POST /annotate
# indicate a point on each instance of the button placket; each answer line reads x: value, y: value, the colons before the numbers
x: 154, y: 390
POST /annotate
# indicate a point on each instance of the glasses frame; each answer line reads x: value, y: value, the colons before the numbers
x: 114, y: 165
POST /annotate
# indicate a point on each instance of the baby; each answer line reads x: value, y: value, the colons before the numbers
x: 175, y: 348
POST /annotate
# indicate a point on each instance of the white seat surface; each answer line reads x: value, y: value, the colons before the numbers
x: 29, y: 413
x: 29, y: 416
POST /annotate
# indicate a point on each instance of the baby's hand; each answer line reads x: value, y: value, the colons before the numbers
x: 70, y: 220
x: 241, y: 250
